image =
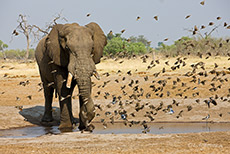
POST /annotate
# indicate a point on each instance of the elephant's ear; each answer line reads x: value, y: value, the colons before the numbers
x: 53, y: 47
x: 99, y: 41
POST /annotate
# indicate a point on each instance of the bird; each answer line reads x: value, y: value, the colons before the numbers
x: 218, y: 18
x: 166, y: 39
x: 188, y: 16
x: 202, y: 27
x: 213, y: 101
x: 123, y: 30
x: 24, y: 83
x: 206, y: 118
x: 29, y: 97
x: 156, y: 18
x: 18, y: 98
x: 88, y: 15
x: 170, y: 111
x: 138, y: 18
x: 110, y: 32
x: 195, y: 28
x: 202, y: 2
x: 129, y: 72
x: 19, y: 107
x: 189, y: 107
x: 210, y: 23
x: 114, y: 100
x: 15, y: 33
x: 123, y: 116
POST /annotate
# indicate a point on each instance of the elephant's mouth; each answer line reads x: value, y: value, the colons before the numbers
x: 70, y: 78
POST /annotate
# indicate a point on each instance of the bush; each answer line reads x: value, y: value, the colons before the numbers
x: 195, y: 46
x: 118, y: 46
x: 17, y: 54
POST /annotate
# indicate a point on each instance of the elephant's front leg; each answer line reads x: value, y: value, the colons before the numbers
x: 65, y: 102
x: 87, y: 113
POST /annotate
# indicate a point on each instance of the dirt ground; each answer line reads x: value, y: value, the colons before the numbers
x: 130, y: 91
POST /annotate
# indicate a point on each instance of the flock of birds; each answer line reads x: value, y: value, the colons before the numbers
x: 127, y: 90
x: 194, y: 31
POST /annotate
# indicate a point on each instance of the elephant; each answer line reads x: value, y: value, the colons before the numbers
x: 66, y: 57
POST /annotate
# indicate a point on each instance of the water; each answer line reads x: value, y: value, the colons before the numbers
x: 120, y: 128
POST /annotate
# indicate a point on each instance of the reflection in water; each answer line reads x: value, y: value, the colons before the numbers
x: 120, y: 128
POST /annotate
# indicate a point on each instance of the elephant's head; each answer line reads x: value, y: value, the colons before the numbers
x: 77, y: 48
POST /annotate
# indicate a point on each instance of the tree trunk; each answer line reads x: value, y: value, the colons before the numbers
x: 28, y: 46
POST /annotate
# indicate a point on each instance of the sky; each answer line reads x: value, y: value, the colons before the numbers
x: 117, y: 15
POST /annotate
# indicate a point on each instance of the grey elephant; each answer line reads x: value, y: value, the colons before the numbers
x: 66, y: 57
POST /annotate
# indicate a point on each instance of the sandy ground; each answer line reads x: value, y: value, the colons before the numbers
x: 129, y: 91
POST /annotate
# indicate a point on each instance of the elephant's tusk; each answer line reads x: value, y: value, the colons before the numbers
x: 97, y: 76
x: 69, y: 80
x: 63, y: 98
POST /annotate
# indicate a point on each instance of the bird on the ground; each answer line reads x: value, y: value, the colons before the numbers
x: 206, y: 118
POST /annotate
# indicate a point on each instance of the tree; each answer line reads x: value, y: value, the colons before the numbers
x: 141, y: 39
x: 26, y: 29
x: 2, y: 47
x: 120, y: 45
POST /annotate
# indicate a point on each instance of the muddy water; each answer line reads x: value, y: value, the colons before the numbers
x: 120, y: 128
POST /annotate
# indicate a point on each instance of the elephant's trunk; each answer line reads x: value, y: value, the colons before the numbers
x: 87, y: 110
x: 81, y: 69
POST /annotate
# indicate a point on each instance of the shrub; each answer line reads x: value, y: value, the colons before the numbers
x: 195, y: 46
x: 118, y: 45
x: 17, y: 54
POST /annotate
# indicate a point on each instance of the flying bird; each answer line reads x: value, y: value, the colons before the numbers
x: 218, y: 18
x: 188, y: 16
x: 110, y: 32
x: 15, y: 33
x: 202, y: 27
x: 122, y: 31
x: 211, y: 23
x: 156, y: 18
x: 88, y: 15
x: 138, y: 18
x: 195, y: 28
x: 202, y: 2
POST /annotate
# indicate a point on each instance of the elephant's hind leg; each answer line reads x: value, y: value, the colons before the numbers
x: 48, y: 93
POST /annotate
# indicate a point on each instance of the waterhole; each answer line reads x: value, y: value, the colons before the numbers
x: 120, y: 128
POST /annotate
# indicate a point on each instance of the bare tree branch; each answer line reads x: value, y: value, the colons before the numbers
x: 26, y: 29
x: 207, y: 35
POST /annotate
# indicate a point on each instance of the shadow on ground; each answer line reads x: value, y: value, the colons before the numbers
x: 34, y: 115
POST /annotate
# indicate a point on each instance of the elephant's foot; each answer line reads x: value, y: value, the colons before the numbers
x: 47, y: 118
x: 75, y: 121
x: 66, y: 127
x: 89, y: 128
